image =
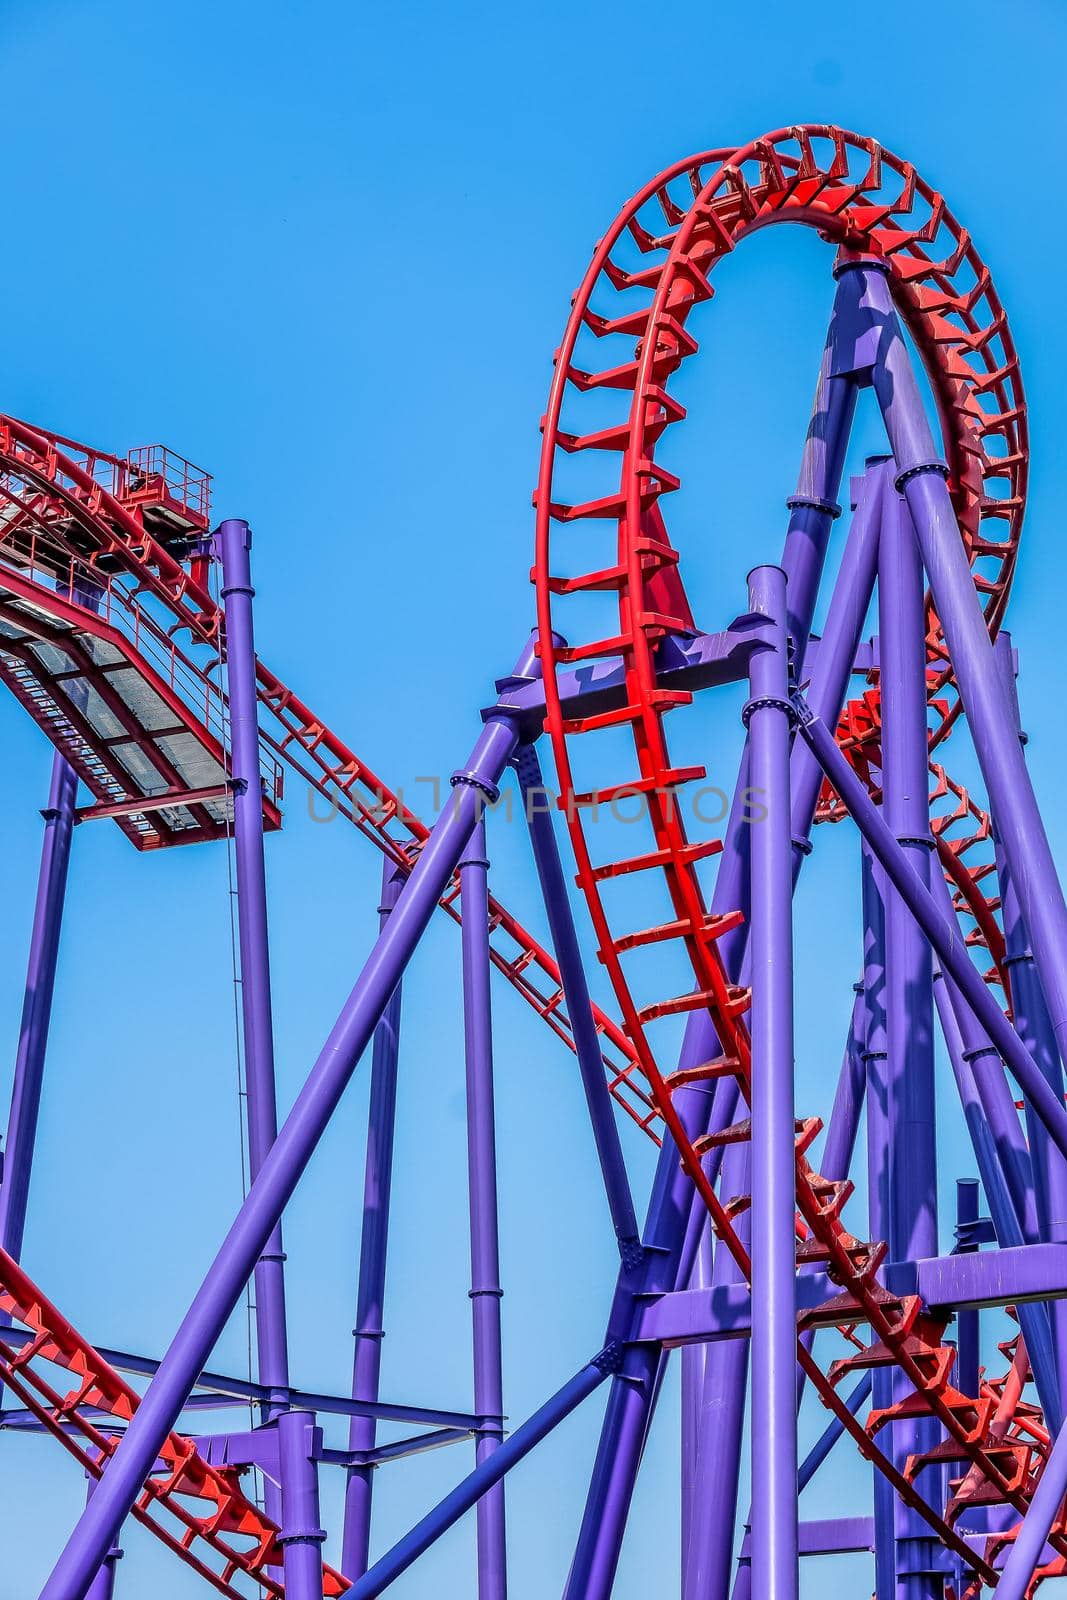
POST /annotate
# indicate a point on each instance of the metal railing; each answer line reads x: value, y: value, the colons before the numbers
x: 43, y: 561
x: 151, y: 464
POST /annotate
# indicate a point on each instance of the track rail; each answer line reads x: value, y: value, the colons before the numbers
x: 197, y: 1510
x: 857, y: 195
x: 62, y: 524
x: 649, y: 272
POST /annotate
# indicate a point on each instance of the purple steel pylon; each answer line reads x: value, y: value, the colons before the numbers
x: 943, y: 1359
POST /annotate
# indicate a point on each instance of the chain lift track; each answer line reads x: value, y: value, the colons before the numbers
x: 110, y: 637
x: 683, y: 223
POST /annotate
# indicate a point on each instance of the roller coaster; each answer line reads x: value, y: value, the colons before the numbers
x: 126, y: 633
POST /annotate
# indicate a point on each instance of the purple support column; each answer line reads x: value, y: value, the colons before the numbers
x: 876, y: 1056
x: 842, y: 1129
x: 775, y: 1571
x: 103, y: 1585
x: 823, y: 1445
x: 713, y: 1513
x: 968, y: 1327
x: 1034, y: 1027
x: 482, y: 1479
x: 536, y: 805
x: 912, y: 1148
x: 630, y: 1404
x: 234, y: 545
x: 37, y: 1005
x: 693, y: 1363
x: 922, y: 474
x: 301, y: 1536
x: 284, y: 1164
x: 1028, y: 1549
x: 40, y: 979
x: 994, y: 1094
x: 485, y: 1247
x: 958, y: 1027
x: 370, y: 1295
x: 909, y: 970
x: 726, y: 1364
x: 845, y: 617
x: 946, y: 941
x: 843, y: 1126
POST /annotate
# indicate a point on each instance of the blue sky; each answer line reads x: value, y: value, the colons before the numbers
x: 327, y: 252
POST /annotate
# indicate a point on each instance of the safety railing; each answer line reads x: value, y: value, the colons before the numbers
x: 152, y: 469
x: 45, y: 562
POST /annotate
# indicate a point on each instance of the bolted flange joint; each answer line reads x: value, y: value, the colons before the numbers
x: 474, y: 780
x: 916, y: 470
x: 979, y: 1051
x: 847, y: 262
x: 309, y: 1535
x: 764, y: 702
x: 796, y: 502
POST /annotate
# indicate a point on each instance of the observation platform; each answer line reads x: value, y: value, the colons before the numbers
x: 91, y: 657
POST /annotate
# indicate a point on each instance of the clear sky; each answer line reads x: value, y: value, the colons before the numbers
x: 327, y: 251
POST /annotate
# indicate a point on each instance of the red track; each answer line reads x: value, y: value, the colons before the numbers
x: 66, y: 514
x: 679, y: 227
x: 197, y: 1510
x: 70, y: 511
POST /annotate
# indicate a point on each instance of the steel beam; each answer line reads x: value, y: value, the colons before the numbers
x: 370, y: 1294
x: 301, y: 1536
x: 37, y: 1006
x: 103, y: 1584
x: 485, y: 1476
x: 875, y: 1055
x: 484, y: 1228
x: 768, y: 715
x: 911, y: 1150
x: 1015, y: 1275
x: 922, y: 476
x: 1034, y: 1026
x: 538, y: 812
x: 946, y: 941
x: 812, y: 513
x: 234, y: 546
x: 282, y: 1168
